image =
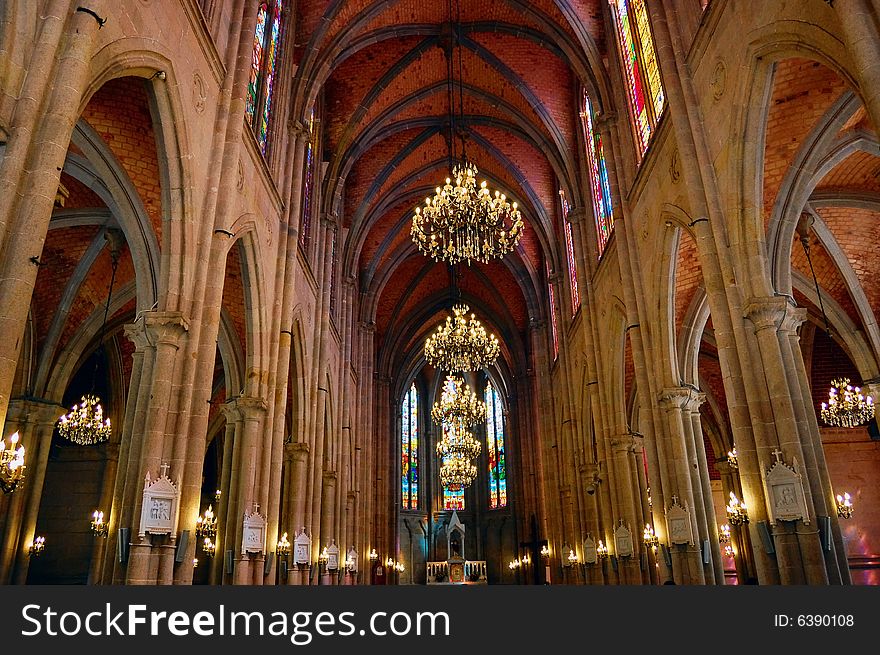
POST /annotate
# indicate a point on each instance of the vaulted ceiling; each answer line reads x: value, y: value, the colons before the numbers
x: 380, y: 71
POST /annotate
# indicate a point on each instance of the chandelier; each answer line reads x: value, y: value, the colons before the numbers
x: 464, y: 223
x: 85, y: 424
x: 737, y: 513
x: 458, y: 406
x: 11, y: 464
x: 458, y: 443
x: 206, y: 526
x: 846, y: 406
x: 457, y: 473
x: 461, y: 344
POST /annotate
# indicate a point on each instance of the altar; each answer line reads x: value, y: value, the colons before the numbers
x: 456, y: 570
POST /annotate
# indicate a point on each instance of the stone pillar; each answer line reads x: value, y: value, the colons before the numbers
x: 299, y: 456
x: 30, y: 173
x: 686, y: 561
x: 858, y: 20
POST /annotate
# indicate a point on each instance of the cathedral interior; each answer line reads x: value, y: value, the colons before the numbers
x: 458, y: 292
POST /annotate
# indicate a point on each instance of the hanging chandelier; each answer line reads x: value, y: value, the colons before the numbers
x: 457, y: 473
x: 458, y: 406
x: 85, y: 424
x: 464, y: 223
x: 461, y: 344
x: 458, y: 443
x: 11, y: 464
x: 846, y: 406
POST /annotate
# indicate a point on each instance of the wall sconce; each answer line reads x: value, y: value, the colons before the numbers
x: 209, y: 547
x: 324, y: 557
x: 283, y: 546
x: 11, y: 464
x: 526, y: 560
x: 399, y: 567
x: 389, y: 562
x: 351, y: 561
x: 728, y: 551
x: 206, y: 526
x: 195, y: 562
x: 513, y: 565
x: 737, y: 513
x: 373, y: 555
x: 602, y: 550
x: 217, y: 495
x: 731, y: 458
x: 844, y: 506
x: 724, y: 533
x: 99, y: 528
x: 649, y: 537
x: 572, y: 558
x: 545, y: 552
x: 37, y: 547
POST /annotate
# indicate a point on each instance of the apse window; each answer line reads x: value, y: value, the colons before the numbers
x: 264, y: 60
x: 495, y: 447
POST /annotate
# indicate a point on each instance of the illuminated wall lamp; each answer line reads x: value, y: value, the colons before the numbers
x: 844, y: 506
x: 99, y: 528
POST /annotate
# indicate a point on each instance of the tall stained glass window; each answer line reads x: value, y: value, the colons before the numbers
x: 569, y: 249
x: 308, y: 182
x: 264, y: 59
x: 642, y: 72
x: 452, y: 498
x: 600, y: 189
x: 409, y: 449
x: 495, y: 447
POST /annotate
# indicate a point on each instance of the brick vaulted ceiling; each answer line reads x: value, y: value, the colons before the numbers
x: 379, y: 70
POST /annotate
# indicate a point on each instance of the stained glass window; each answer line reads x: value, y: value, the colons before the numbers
x: 264, y: 59
x: 495, y: 447
x: 309, y: 180
x: 600, y: 189
x: 553, y: 327
x: 409, y: 449
x: 569, y: 249
x: 644, y: 86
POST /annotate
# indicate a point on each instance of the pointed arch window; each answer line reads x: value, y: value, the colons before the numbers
x: 600, y: 190
x: 452, y: 499
x: 409, y: 449
x: 569, y: 250
x: 308, y: 182
x: 640, y: 67
x: 495, y: 447
x: 264, y: 60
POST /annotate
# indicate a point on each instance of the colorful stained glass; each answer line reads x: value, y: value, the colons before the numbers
x: 569, y: 248
x: 271, y: 59
x: 649, y: 57
x: 306, y: 224
x: 256, y: 64
x: 409, y: 449
x: 495, y: 447
x: 631, y: 65
x: 553, y: 321
x: 601, y: 190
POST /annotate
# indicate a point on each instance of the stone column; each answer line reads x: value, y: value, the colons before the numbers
x: 624, y: 477
x: 858, y: 20
x: 32, y: 163
x: 299, y: 456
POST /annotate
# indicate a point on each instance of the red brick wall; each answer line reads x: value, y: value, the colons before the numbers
x: 120, y: 113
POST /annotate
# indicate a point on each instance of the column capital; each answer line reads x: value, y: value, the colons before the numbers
x: 685, y: 397
x: 34, y: 410
x: 328, y: 220
x: 768, y: 312
x: 624, y: 443
x: 154, y: 327
x: 576, y: 214
x: 605, y: 120
x: 329, y: 477
x: 297, y: 450
x: 298, y: 130
x: 247, y: 408
x: 367, y: 326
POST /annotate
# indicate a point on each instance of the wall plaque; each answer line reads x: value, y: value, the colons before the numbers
x: 253, y: 536
x: 623, y: 541
x: 678, y: 524
x: 590, y: 554
x: 784, y: 491
x: 161, y: 503
x: 302, y: 548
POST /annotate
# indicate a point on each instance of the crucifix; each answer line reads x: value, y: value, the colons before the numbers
x: 778, y: 455
x: 164, y: 469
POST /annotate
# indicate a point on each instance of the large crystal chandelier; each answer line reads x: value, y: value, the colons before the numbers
x: 461, y: 344
x: 11, y: 464
x: 458, y: 443
x: 464, y: 223
x: 85, y: 424
x: 458, y: 406
x: 457, y: 473
x: 846, y: 406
